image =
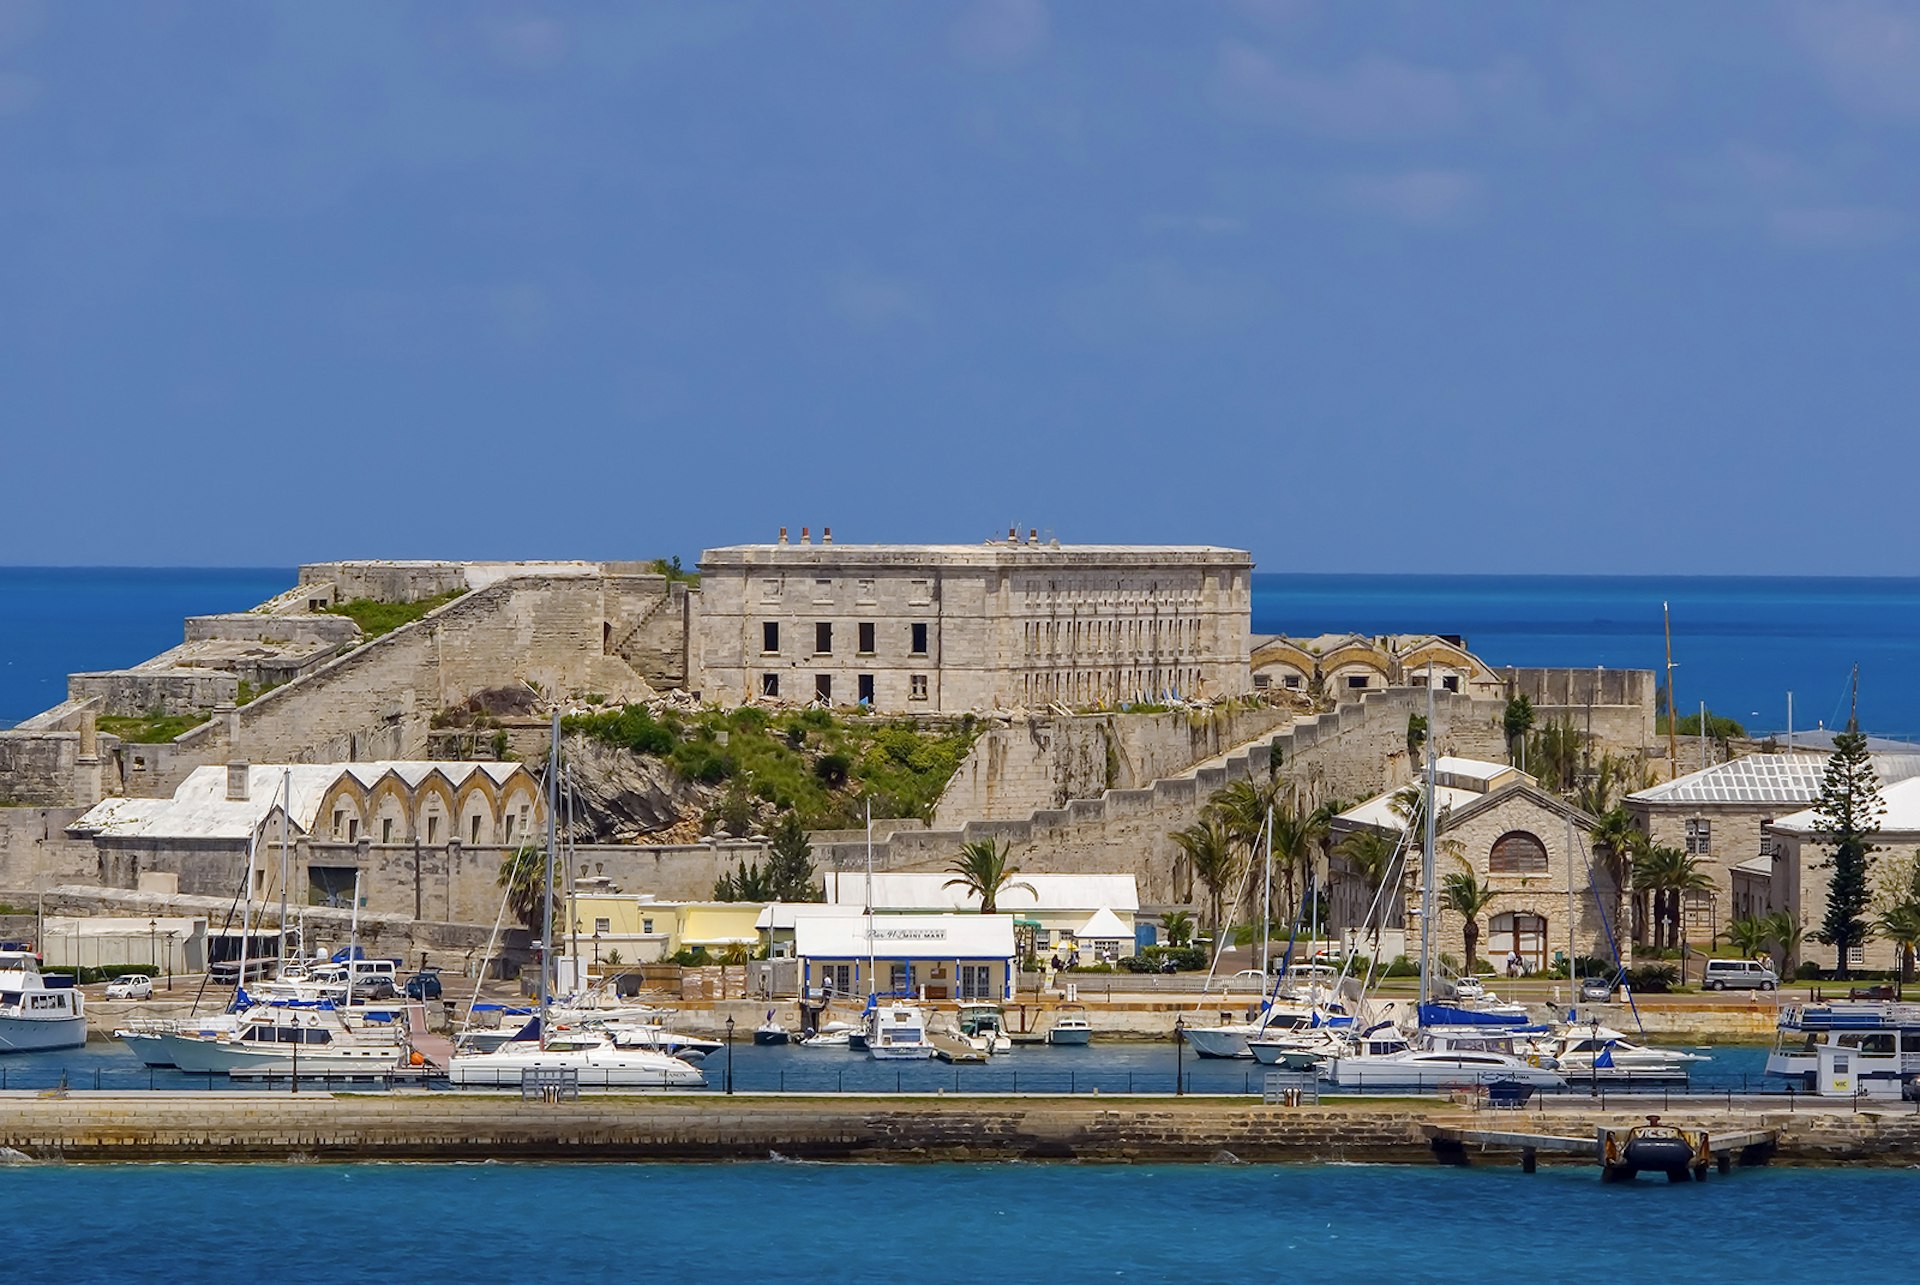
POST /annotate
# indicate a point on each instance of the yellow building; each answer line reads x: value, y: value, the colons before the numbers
x: 640, y: 929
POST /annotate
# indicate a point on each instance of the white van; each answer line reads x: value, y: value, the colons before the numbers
x: 1738, y: 974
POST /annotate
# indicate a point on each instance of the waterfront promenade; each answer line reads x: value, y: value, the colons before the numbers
x: 202, y: 1127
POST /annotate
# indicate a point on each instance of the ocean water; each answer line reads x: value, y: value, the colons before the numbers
x: 422, y: 1224
x: 1741, y: 643
x: 60, y: 620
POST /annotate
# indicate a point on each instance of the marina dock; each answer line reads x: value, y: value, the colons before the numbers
x: 1610, y: 1146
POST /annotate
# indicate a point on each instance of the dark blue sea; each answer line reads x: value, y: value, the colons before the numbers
x: 1741, y: 643
x: 805, y: 1223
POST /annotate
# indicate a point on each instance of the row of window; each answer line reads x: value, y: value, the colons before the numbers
x: 346, y: 827
x: 865, y: 590
x: 865, y: 635
x: 1110, y: 637
x: 862, y: 687
x: 1090, y: 686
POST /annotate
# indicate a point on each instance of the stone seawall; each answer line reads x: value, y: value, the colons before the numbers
x: 446, y: 1127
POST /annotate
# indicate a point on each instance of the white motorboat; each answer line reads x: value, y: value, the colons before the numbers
x: 34, y: 1016
x: 595, y: 1060
x: 1601, y: 1053
x: 1230, y: 1039
x: 1299, y: 1050
x: 1466, y: 1058
x: 277, y: 1040
x: 980, y: 1025
x: 834, y: 1035
x: 770, y: 1033
x: 1881, y: 1039
x: 1070, y: 1026
x: 897, y: 1032
x: 149, y: 1038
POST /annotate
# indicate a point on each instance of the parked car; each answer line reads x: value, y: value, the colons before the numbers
x: 1738, y: 974
x: 423, y: 985
x: 131, y: 986
x: 1597, y: 990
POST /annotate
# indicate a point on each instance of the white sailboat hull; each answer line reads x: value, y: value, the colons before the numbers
x: 1429, y: 1071
x: 1221, y: 1041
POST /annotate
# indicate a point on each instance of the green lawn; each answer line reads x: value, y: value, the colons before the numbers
x: 149, y: 729
x: 377, y: 618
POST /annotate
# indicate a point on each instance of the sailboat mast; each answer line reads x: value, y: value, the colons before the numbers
x: 1573, y: 972
x: 286, y: 862
x: 573, y: 895
x: 546, y: 884
x: 246, y: 925
x: 1426, y: 864
x: 873, y: 982
x: 1266, y: 902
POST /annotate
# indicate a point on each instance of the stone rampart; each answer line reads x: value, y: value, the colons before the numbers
x: 1350, y: 753
x: 1016, y: 769
x: 35, y: 851
x: 134, y: 692
x: 44, y: 767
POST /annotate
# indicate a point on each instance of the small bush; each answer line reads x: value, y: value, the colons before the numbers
x: 1402, y: 967
x: 1808, y: 971
x: 1653, y: 979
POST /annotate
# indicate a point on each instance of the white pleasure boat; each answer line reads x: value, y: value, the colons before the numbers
x: 980, y: 1025
x: 1070, y: 1026
x: 1384, y: 1059
x: 1600, y: 1053
x: 33, y: 1015
x: 833, y: 1035
x: 897, y: 1032
x: 274, y: 1039
x: 596, y: 1061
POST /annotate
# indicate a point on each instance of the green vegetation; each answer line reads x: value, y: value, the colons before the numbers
x: 248, y: 692
x: 377, y: 618
x: 982, y: 869
x: 89, y: 974
x: 150, y: 728
x: 810, y: 762
x: 672, y: 570
x: 787, y: 876
x: 1718, y: 728
x: 1849, y: 814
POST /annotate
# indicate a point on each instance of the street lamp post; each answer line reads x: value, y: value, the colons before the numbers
x: 729, y: 1053
x: 1593, y: 1080
x: 1179, y: 1052
x: 170, y: 937
x: 153, y: 943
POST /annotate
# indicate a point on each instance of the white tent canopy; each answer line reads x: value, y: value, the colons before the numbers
x: 1104, y: 926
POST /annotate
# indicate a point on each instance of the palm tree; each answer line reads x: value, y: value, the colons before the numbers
x: 1211, y: 851
x: 1370, y: 853
x: 1749, y: 936
x: 1901, y: 926
x: 1464, y: 894
x: 1244, y: 806
x: 1671, y: 874
x: 1784, y: 931
x: 1178, y: 925
x: 982, y: 869
x: 523, y: 874
x: 1620, y: 841
x: 1297, y: 833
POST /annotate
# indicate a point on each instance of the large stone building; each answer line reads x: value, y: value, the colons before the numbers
x: 945, y: 628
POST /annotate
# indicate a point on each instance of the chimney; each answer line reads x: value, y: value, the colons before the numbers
x: 783, y: 535
x: 237, y: 782
x: 806, y: 535
x: 826, y: 535
x: 1013, y: 535
x: 1033, y: 535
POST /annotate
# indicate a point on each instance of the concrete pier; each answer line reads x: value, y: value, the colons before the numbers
x: 211, y: 1127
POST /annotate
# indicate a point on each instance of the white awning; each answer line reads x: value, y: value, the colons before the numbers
x: 844, y: 936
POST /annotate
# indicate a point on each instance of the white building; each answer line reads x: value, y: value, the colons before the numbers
x: 1801, y: 881
x: 945, y: 628
x: 933, y: 957
x: 1095, y: 913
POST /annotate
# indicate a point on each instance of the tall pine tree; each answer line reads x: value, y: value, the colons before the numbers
x: 1848, y: 814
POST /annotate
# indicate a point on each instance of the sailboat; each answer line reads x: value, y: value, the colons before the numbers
x: 1436, y: 1056
x: 595, y: 1058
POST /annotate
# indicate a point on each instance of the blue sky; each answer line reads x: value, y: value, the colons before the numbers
x: 1359, y: 286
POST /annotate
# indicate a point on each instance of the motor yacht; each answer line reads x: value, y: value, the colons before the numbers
x: 897, y: 1032
x: 833, y: 1035
x: 1597, y: 1052
x: 980, y: 1026
x: 1882, y: 1038
x: 34, y: 1016
x: 1070, y: 1026
x: 597, y: 1061
x: 1385, y: 1059
x: 273, y: 1039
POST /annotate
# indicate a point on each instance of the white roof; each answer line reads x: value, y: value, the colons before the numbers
x: 1104, y: 926
x: 200, y: 809
x: 785, y: 914
x: 1378, y: 811
x: 1902, y: 815
x: 1766, y: 778
x: 1471, y: 769
x: 916, y: 890
x: 844, y: 936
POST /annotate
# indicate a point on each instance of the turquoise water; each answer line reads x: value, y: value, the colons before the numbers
x: 1742, y: 643
x: 423, y: 1224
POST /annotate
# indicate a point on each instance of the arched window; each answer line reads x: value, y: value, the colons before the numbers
x: 1517, y: 853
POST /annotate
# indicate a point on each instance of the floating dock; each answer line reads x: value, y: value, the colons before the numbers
x: 1621, y: 1151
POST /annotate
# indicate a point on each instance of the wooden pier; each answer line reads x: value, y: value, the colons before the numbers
x: 1678, y: 1150
x: 951, y: 1048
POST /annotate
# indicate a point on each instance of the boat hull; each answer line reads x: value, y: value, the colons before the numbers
x: 1218, y: 1041
x: 37, y: 1035
x: 235, y: 1057
x: 899, y: 1052
x: 772, y: 1038
x: 1073, y: 1035
x: 598, y: 1069
x: 1286, y: 1058
x: 150, y: 1048
x: 1391, y: 1073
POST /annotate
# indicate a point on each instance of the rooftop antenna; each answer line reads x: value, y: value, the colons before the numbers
x: 1853, y: 702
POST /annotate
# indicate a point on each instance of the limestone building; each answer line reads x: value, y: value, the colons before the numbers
x: 944, y: 628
